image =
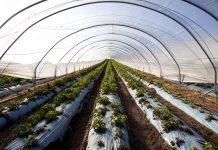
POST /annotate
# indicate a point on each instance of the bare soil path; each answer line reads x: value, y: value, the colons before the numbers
x: 76, y: 138
x: 142, y: 134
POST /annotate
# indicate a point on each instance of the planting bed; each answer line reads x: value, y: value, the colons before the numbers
x: 13, y: 109
x: 50, y: 121
x: 108, y: 106
x: 174, y: 131
x: 77, y: 134
x: 10, y: 82
x: 142, y: 134
x: 108, y: 129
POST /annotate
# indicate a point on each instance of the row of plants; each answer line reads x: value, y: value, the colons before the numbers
x: 37, y: 93
x: 48, y: 112
x: 188, y: 96
x: 109, y: 82
x: 8, y: 81
x: 170, y: 123
x: 202, y: 116
x: 108, y: 117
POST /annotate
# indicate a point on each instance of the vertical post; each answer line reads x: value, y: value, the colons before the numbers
x: 215, y: 85
x: 56, y: 71
x: 66, y: 70
x: 74, y: 67
x: 180, y: 80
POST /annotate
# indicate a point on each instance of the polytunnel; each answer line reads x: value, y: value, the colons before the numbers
x: 154, y: 58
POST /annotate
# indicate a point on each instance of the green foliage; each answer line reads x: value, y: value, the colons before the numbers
x: 148, y: 105
x: 140, y: 92
x: 47, y: 111
x: 115, y: 106
x: 31, y: 141
x: 23, y: 129
x: 209, y: 146
x: 104, y: 100
x: 51, y: 115
x: 6, y: 81
x: 168, y: 121
x: 100, y: 112
x: 118, y: 120
x: 48, y: 107
x: 98, y: 125
x: 34, y: 119
x: 105, y: 88
x: 118, y: 133
x: 109, y: 82
x: 12, y: 105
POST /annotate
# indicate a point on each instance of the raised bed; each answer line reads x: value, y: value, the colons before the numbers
x: 51, y: 121
x: 108, y: 129
x: 173, y: 130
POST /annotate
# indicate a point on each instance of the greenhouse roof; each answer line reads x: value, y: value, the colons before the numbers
x: 174, y: 39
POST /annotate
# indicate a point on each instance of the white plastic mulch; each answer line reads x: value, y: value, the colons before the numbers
x: 193, y: 112
x: 57, y: 128
x: 22, y: 87
x: 29, y: 106
x: 191, y: 141
x: 107, y: 138
x: 201, y: 89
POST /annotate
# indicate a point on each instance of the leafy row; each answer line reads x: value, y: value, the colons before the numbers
x: 168, y: 121
x: 6, y: 81
x: 115, y: 120
x: 188, y: 96
x: 109, y: 81
x: 48, y: 111
x: 41, y: 91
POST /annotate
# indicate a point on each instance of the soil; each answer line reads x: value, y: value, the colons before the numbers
x: 207, y: 102
x: 208, y: 134
x: 76, y: 138
x: 142, y: 134
x: 23, y: 93
x: 205, y: 132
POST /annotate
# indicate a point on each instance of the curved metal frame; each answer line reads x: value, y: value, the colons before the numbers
x: 128, y: 52
x: 88, y: 50
x: 108, y: 41
x: 119, y: 49
x: 136, y: 4
x: 146, y: 47
x: 122, y: 25
x: 20, y: 11
x: 96, y: 46
x: 123, y: 52
x: 199, y: 7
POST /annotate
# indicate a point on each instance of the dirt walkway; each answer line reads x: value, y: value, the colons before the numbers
x: 142, y: 134
x: 76, y: 138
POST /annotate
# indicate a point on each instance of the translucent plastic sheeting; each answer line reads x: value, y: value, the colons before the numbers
x: 175, y: 39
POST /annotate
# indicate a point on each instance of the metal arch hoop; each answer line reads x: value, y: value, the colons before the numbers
x: 115, y: 48
x: 214, y: 67
x: 100, y: 41
x: 20, y: 11
x: 109, y: 47
x: 146, y: 47
x: 122, y: 25
x: 76, y: 54
x: 96, y: 3
x: 206, y: 11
